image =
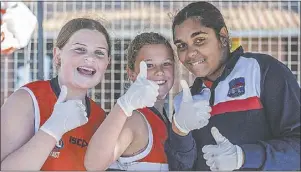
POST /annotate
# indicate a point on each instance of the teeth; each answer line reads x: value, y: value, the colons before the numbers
x: 85, y: 68
x: 198, y: 62
x: 160, y: 82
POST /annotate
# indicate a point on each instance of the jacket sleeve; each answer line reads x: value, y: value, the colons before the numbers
x: 180, y: 151
x: 280, y: 96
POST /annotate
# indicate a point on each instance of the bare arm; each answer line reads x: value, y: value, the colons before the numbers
x: 111, y: 139
x: 21, y: 149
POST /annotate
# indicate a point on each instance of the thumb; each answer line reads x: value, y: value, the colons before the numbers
x: 63, y: 94
x: 143, y: 70
x: 186, y: 91
x: 218, y: 137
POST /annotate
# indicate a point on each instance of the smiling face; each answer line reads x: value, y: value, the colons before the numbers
x: 198, y: 48
x: 160, y: 66
x: 83, y: 60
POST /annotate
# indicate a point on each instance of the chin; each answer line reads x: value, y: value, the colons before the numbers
x: 162, y: 96
x: 164, y: 90
x: 203, y: 72
x: 85, y: 85
x: 200, y: 74
x: 88, y: 82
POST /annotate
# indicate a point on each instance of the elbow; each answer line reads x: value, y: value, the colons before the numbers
x: 95, y: 163
x: 9, y: 167
x: 6, y: 166
x: 91, y: 165
x: 3, y: 166
x: 98, y: 158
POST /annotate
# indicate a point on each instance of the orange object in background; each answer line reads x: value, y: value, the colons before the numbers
x: 17, y: 26
x: 235, y: 43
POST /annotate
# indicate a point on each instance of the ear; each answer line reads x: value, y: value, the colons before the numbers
x: 131, y: 74
x: 109, y: 58
x: 224, y: 32
x: 224, y: 36
x: 56, y: 56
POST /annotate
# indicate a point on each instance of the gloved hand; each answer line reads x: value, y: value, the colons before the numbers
x: 142, y: 93
x: 192, y: 114
x: 17, y: 25
x: 224, y: 156
x: 8, y: 42
x: 66, y: 116
x: 203, y: 95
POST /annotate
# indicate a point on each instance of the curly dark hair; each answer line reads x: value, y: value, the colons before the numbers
x: 205, y: 12
x: 146, y: 38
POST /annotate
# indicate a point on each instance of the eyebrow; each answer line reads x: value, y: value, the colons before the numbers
x: 192, y: 35
x: 79, y: 44
x: 168, y: 59
x: 197, y: 33
x: 86, y: 45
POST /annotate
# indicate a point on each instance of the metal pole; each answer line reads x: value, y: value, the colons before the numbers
x: 40, y: 57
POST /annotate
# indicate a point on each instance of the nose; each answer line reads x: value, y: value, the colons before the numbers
x: 159, y: 71
x: 192, y: 52
x: 89, y: 58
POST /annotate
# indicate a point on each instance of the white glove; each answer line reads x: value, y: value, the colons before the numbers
x: 66, y: 116
x: 142, y: 93
x: 8, y: 42
x: 192, y: 114
x: 224, y: 156
x: 7, y: 4
x: 18, y: 25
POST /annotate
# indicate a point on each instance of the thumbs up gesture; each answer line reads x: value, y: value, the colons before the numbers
x: 192, y: 114
x: 142, y: 93
x: 66, y: 115
x: 224, y: 156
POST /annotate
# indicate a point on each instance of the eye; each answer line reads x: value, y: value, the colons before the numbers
x: 80, y: 50
x: 181, y: 46
x: 99, y: 53
x: 168, y: 64
x: 199, y: 41
x: 149, y: 66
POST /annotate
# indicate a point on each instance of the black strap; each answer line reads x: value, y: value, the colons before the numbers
x: 163, y: 116
x: 54, y: 83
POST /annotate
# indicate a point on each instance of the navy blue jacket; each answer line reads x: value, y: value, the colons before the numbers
x: 256, y: 105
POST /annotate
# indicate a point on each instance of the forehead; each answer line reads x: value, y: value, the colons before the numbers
x: 89, y: 37
x: 184, y: 30
x: 154, y: 52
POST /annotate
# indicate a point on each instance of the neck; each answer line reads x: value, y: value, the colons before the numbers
x: 73, y: 92
x: 223, y: 62
x: 159, y: 105
x: 216, y: 74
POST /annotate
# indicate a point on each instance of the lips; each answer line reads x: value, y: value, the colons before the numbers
x: 161, y: 82
x: 193, y: 63
x: 90, y: 71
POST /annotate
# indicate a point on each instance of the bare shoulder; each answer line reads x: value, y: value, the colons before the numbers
x: 17, y: 121
x: 138, y: 123
x: 137, y: 118
x: 139, y: 130
x: 19, y: 102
